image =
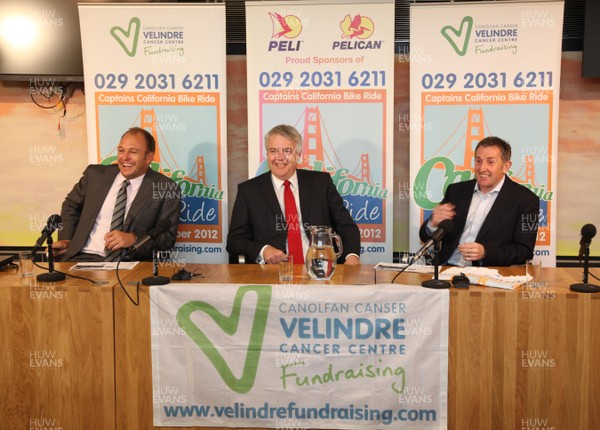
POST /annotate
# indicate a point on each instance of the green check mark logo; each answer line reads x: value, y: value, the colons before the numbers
x: 459, y: 37
x: 128, y: 39
x: 229, y: 325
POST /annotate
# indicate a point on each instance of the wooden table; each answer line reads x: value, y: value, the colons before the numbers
x: 56, y: 353
x: 518, y: 358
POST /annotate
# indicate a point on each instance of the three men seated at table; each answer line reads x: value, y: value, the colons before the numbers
x: 111, y: 207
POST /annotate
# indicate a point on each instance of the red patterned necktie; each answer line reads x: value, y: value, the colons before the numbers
x: 293, y: 226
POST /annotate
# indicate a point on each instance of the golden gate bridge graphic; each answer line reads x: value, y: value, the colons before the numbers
x: 476, y: 130
x: 163, y: 156
x: 317, y: 146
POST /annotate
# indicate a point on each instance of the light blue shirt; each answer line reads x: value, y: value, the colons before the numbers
x: 481, y: 203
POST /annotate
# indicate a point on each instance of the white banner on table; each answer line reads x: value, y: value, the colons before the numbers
x: 480, y: 69
x: 162, y: 68
x: 300, y: 356
x: 327, y: 68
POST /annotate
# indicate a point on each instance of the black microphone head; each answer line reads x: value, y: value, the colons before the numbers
x: 447, y: 225
x: 588, y: 231
x: 54, y: 222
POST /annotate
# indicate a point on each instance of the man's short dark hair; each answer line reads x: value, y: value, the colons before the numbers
x: 150, y: 142
x: 503, y: 145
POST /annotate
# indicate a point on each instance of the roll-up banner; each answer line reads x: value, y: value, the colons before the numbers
x: 481, y: 69
x: 327, y: 69
x: 162, y: 68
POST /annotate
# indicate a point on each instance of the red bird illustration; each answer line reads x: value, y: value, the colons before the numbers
x: 285, y: 28
x: 356, y: 27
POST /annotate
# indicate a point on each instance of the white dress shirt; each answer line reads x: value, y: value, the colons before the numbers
x: 279, y: 190
x: 95, y: 243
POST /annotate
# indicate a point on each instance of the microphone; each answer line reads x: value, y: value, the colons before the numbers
x: 162, y: 226
x: 444, y: 227
x: 54, y: 222
x: 588, y: 231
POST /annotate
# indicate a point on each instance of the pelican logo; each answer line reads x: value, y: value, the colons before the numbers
x: 359, y: 27
x: 230, y: 325
x: 286, y: 27
x: 355, y: 31
x: 127, y: 39
x: 459, y: 39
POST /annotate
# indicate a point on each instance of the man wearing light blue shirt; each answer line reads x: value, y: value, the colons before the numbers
x: 495, y: 219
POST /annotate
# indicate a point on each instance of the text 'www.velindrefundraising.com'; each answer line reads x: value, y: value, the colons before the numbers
x: 326, y: 412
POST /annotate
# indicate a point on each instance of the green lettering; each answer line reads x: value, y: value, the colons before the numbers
x: 420, y: 193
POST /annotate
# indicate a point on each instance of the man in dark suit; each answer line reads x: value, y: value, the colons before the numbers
x: 259, y: 228
x: 495, y: 219
x: 88, y: 210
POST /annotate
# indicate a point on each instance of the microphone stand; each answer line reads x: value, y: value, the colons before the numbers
x: 155, y: 279
x: 436, y: 283
x: 51, y: 276
x: 584, y: 287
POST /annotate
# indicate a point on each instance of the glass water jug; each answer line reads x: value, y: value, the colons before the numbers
x: 321, y: 257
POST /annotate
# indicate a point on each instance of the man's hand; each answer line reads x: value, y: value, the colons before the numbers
x: 60, y: 247
x: 352, y: 260
x: 272, y: 255
x: 116, y: 239
x: 442, y: 212
x: 472, y: 251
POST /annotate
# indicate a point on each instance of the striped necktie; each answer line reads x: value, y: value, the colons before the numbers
x: 118, y: 218
x: 293, y: 226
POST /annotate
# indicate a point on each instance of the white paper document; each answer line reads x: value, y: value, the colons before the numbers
x: 484, y: 276
x: 104, y: 265
x: 396, y: 267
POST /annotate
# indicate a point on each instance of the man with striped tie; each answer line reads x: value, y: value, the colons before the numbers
x: 111, y: 207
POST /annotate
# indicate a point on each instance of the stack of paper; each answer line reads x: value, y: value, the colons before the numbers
x: 485, y: 277
x: 104, y: 265
x: 396, y: 267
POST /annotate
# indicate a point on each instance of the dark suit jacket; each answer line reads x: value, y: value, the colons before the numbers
x: 157, y: 198
x: 257, y: 219
x: 509, y: 231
